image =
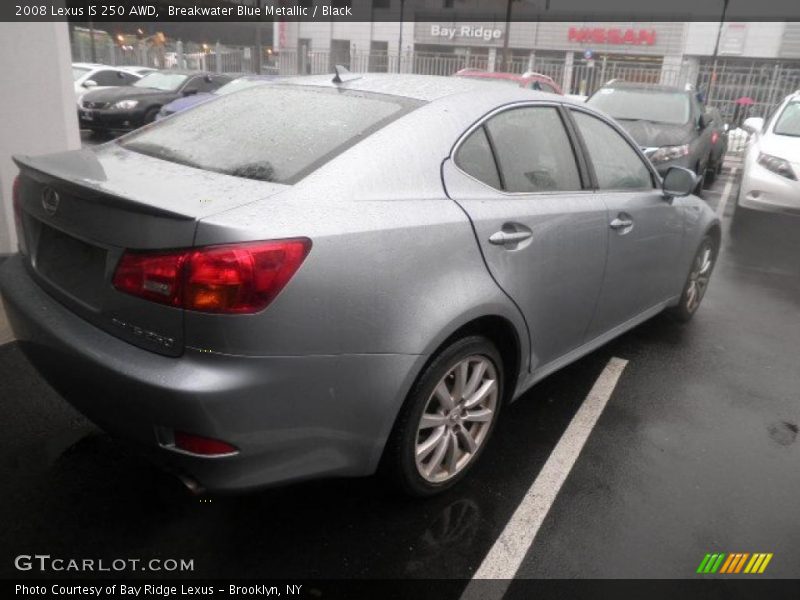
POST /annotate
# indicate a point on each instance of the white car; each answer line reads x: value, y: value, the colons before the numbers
x: 91, y: 76
x: 772, y: 162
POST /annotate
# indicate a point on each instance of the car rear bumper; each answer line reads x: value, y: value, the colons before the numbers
x: 764, y: 190
x: 291, y: 417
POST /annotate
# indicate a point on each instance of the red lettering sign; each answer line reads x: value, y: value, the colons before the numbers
x: 612, y: 36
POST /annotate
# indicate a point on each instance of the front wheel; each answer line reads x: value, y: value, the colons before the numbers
x: 697, y: 281
x: 447, y: 419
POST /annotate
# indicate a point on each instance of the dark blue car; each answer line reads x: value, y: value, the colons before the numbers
x: 240, y: 83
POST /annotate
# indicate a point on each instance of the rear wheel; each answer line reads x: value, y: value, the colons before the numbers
x: 697, y: 281
x: 447, y: 419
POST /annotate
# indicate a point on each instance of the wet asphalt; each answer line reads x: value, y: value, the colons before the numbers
x: 697, y: 451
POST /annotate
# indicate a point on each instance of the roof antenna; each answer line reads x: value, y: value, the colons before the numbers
x: 343, y: 75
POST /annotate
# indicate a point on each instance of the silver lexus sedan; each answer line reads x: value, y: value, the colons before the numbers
x: 337, y: 277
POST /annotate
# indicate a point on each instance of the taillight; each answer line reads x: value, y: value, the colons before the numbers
x: 236, y: 278
x: 202, y: 445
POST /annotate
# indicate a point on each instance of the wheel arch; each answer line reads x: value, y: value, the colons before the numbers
x: 499, y: 329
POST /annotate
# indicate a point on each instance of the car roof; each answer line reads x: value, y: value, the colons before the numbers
x: 427, y: 88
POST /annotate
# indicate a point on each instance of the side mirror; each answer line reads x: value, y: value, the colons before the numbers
x: 189, y: 91
x: 678, y: 182
x: 753, y: 124
x: 89, y: 83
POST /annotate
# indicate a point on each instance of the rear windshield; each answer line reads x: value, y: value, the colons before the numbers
x: 643, y: 105
x: 271, y: 132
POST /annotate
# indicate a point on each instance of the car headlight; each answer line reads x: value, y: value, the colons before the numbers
x: 126, y: 104
x: 666, y: 153
x: 776, y: 165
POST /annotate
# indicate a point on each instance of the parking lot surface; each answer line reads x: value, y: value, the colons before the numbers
x: 696, y: 451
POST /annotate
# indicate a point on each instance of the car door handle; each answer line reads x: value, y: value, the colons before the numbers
x: 503, y: 238
x: 621, y: 223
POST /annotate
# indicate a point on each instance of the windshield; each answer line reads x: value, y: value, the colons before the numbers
x: 789, y: 121
x: 168, y: 82
x: 78, y: 72
x: 643, y: 105
x: 239, y: 84
x: 269, y: 132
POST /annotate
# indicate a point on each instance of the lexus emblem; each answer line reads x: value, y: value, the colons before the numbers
x: 50, y: 200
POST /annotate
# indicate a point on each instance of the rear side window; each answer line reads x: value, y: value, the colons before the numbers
x: 475, y: 158
x: 270, y: 133
x: 533, y: 151
x: 616, y: 165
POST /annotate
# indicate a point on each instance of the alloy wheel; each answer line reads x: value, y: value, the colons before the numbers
x: 457, y: 419
x: 699, y: 277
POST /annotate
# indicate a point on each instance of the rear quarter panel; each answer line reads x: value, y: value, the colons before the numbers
x: 394, y: 266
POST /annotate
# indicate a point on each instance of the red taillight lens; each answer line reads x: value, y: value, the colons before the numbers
x: 201, y: 445
x: 153, y: 276
x: 238, y: 278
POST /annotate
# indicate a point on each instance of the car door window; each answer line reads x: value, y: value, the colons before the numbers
x: 616, y: 164
x: 128, y: 78
x: 202, y: 84
x: 218, y: 81
x: 533, y: 151
x: 475, y: 158
x: 108, y: 77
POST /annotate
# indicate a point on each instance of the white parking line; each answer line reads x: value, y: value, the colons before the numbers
x: 505, y: 557
x: 726, y: 192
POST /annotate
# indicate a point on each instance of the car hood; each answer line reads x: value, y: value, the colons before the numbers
x: 782, y: 146
x: 651, y: 135
x: 185, y: 102
x: 115, y: 94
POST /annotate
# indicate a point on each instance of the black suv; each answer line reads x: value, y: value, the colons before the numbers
x: 670, y: 124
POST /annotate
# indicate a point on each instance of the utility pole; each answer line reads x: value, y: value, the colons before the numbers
x: 92, y: 48
x: 716, y: 51
x: 505, y: 37
x: 400, y: 38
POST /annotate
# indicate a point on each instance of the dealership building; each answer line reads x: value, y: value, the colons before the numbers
x: 670, y: 44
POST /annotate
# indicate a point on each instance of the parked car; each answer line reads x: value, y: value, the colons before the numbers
x: 772, y: 163
x: 669, y: 123
x: 719, y: 143
x: 289, y: 300
x: 124, y: 109
x: 528, y: 80
x: 240, y: 83
x: 89, y: 76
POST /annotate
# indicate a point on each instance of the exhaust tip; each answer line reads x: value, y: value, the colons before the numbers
x: 195, y: 487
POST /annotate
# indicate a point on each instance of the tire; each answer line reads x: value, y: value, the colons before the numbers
x: 150, y: 115
x: 698, y: 190
x: 711, y: 176
x: 444, y: 452
x: 697, y: 281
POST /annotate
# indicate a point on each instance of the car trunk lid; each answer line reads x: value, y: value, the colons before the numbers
x: 81, y: 210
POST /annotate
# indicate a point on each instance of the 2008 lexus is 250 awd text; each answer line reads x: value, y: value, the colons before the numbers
x: 338, y: 276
